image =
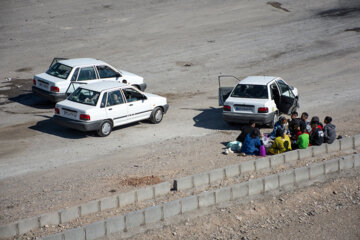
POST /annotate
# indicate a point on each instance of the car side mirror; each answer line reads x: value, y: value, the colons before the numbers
x: 117, y: 75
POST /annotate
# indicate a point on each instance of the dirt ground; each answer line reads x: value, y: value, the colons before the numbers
x: 322, y: 211
x: 179, y: 48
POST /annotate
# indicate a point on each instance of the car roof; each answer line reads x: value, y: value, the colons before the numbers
x: 104, y: 85
x: 258, y: 80
x: 77, y: 62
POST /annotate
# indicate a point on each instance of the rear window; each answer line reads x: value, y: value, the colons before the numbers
x: 250, y: 91
x: 84, y: 96
x: 59, y: 70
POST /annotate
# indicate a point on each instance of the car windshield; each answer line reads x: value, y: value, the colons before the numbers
x: 250, y: 91
x: 59, y: 70
x: 84, y: 96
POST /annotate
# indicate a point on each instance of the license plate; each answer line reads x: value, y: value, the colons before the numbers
x: 69, y: 114
x: 244, y: 109
x: 43, y: 85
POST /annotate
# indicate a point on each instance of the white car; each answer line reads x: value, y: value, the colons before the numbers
x: 54, y: 82
x: 258, y: 98
x: 102, y: 105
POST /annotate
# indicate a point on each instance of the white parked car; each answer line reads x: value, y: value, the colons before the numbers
x: 54, y: 82
x: 102, y: 105
x: 258, y: 98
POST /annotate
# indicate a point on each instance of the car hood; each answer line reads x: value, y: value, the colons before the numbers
x: 48, y: 78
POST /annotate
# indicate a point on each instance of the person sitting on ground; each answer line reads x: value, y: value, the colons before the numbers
x: 295, y: 133
x: 304, y: 119
x: 293, y: 124
x: 303, y: 139
x: 281, y: 124
x: 316, y: 134
x: 329, y: 130
x: 252, y: 143
x: 245, y: 130
x: 281, y: 144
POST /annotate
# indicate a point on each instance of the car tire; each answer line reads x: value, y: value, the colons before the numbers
x: 274, y: 120
x: 156, y: 115
x: 105, y: 128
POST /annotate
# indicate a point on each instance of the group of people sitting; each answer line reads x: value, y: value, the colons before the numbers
x: 287, y: 135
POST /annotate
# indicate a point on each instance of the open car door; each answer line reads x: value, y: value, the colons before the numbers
x: 55, y: 60
x: 224, y: 92
x: 288, y: 102
x: 72, y: 87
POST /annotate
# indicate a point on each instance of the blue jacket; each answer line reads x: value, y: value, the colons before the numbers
x: 251, y: 146
x: 277, y: 125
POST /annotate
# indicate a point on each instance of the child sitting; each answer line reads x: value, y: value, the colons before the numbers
x: 303, y: 139
x: 316, y: 134
x: 278, y: 125
x: 293, y: 122
x: 252, y: 143
x: 329, y: 131
x: 281, y: 144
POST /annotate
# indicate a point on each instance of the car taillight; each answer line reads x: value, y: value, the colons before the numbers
x: 227, y: 108
x: 85, y: 117
x: 57, y: 111
x: 263, y: 110
x: 34, y: 81
x: 54, y: 89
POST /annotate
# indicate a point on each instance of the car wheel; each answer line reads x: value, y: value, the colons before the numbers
x: 274, y: 120
x: 156, y: 115
x: 105, y: 129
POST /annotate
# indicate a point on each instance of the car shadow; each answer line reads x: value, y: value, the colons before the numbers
x: 31, y: 100
x: 211, y: 118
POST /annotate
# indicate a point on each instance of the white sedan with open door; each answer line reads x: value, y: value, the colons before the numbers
x: 103, y: 105
x: 258, y: 98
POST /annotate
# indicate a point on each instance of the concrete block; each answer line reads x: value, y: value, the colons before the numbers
x: 271, y: 182
x: 291, y: 157
x: 316, y: 170
x: 95, y: 230
x: 217, y: 175
x: 162, y: 189
x: 25, y: 225
x: 287, y: 178
x: 240, y: 190
x: 49, y: 219
x: 189, y: 204
x: 89, y: 207
x: 153, y: 214
x: 305, y: 153
x: 206, y: 199
x: 357, y: 140
x: 256, y: 186
x: 276, y: 160
x: 262, y: 163
x: 145, y: 194
x: 232, y: 171
x: 346, y: 162
x: 184, y: 183
x: 319, y: 150
x: 172, y: 208
x: 134, y: 219
x: 302, y: 174
x: 334, y: 147
x: 57, y: 236
x: 248, y: 166
x: 331, y: 166
x: 8, y: 230
x: 115, y: 224
x: 75, y: 234
x: 69, y: 214
x: 201, y: 179
x: 356, y: 160
x: 108, y: 203
x: 126, y: 198
x: 346, y: 143
x: 223, y: 195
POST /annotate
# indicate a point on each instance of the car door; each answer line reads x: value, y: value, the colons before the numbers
x: 107, y: 73
x: 139, y: 107
x: 225, y: 91
x: 288, y: 101
x: 116, y: 107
